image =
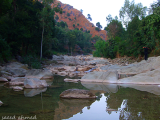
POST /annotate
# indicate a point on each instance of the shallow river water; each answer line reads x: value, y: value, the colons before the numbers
x: 114, y: 102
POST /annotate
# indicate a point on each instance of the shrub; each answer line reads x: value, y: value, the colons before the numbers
x: 32, y: 61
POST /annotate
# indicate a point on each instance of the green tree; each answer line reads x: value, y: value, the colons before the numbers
x: 74, y: 25
x: 130, y: 10
x: 89, y: 17
x: 71, y: 40
x: 100, y: 48
x: 99, y: 25
x: 114, y: 28
x: 46, y: 19
x: 68, y: 14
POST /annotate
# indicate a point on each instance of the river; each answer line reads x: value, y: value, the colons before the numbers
x: 114, y: 102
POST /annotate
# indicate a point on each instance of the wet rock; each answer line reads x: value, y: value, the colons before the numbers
x: 2, y: 79
x: 17, y: 88
x: 78, y: 94
x: 35, y: 83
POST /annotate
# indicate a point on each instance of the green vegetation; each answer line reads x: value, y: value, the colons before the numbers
x: 140, y: 31
x: 68, y: 14
x: 89, y: 17
x: 28, y: 29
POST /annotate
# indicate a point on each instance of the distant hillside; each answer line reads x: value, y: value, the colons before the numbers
x: 73, y: 16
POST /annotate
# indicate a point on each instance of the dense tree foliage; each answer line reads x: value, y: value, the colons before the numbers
x: 131, y: 10
x: 140, y: 31
x: 27, y: 26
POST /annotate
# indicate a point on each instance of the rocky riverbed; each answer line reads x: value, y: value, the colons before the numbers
x: 89, y: 68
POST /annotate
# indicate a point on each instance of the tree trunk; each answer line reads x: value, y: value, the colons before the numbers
x: 42, y: 42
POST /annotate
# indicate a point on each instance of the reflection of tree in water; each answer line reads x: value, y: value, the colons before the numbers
x: 133, y: 104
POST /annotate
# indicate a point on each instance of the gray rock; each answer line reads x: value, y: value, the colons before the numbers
x: 33, y: 92
x: 77, y: 93
x: 55, y: 57
x: 16, y: 69
x: 35, y: 83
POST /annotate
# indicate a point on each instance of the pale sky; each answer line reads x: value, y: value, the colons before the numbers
x: 100, y: 9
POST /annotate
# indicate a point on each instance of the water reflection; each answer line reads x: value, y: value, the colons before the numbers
x: 33, y: 92
x: 113, y: 88
x: 69, y: 107
x: 114, y: 102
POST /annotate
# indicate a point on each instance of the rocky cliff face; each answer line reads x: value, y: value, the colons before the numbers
x: 73, y: 16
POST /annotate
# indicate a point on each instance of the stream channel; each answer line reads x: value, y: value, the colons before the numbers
x: 114, y: 102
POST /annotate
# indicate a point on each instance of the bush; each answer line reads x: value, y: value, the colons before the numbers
x: 97, y: 29
x: 32, y: 61
x: 68, y: 14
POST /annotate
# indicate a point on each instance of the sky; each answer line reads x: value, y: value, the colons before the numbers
x: 100, y: 9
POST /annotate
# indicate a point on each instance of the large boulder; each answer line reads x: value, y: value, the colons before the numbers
x: 16, y: 69
x: 141, y: 67
x: 77, y: 93
x: 35, y: 83
x: 109, y: 76
x: 149, y: 77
